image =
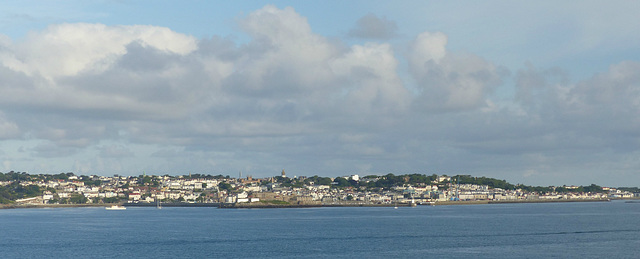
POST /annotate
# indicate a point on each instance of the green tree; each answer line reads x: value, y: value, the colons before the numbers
x: 89, y: 182
x: 341, y: 182
x: 224, y: 186
x: 78, y: 199
x: 61, y: 176
x: 145, y: 180
x: 111, y: 200
x: 593, y: 188
x: 317, y: 180
x: 201, y: 198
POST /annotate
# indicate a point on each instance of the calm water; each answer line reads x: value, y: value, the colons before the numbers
x: 559, y: 230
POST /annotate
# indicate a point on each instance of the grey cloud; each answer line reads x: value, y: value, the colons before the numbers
x: 16, y: 88
x: 551, y: 129
x: 616, y: 90
x: 554, y: 115
x: 449, y: 81
x: 51, y: 150
x: 167, y: 153
x: 604, y: 106
x: 115, y: 151
x: 8, y: 129
x: 371, y: 26
x: 219, y: 48
x: 541, y: 90
x: 141, y: 59
x: 590, y: 126
x: 456, y: 82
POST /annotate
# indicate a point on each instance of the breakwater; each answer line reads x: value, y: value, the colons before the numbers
x: 32, y: 206
x: 272, y: 205
x: 173, y: 204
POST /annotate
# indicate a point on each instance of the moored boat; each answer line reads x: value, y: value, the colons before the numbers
x: 116, y: 207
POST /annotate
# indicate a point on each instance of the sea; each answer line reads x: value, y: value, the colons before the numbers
x: 531, y: 230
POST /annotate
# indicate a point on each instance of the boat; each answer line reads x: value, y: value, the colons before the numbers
x: 158, y: 206
x: 116, y: 207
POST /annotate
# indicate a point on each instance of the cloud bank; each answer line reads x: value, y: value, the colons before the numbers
x: 126, y: 99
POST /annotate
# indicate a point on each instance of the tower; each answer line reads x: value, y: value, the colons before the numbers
x: 283, y: 174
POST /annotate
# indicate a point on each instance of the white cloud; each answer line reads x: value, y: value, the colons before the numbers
x: 68, y: 49
x: 371, y: 82
x: 83, y: 83
x: 285, y: 56
x: 427, y: 47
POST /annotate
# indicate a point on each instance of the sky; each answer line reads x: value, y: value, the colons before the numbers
x: 532, y: 92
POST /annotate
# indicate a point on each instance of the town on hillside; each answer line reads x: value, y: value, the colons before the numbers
x: 67, y: 188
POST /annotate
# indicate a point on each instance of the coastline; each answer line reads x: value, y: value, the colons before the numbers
x: 518, y: 201
x: 36, y: 206
x: 271, y: 205
x: 172, y: 204
x: 440, y: 203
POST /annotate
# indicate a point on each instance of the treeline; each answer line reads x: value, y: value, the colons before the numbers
x: 14, y: 191
x: 374, y: 182
x: 23, y: 176
x: 491, y: 182
x: 391, y: 180
x: 14, y: 176
x: 368, y: 182
x: 205, y: 176
x: 579, y: 189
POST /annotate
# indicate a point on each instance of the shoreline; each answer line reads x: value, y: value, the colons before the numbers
x: 440, y: 203
x: 38, y: 206
x: 270, y: 205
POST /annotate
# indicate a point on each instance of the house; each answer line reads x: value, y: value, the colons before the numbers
x: 134, y: 196
x: 47, y: 196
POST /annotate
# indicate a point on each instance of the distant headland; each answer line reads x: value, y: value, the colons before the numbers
x: 22, y: 190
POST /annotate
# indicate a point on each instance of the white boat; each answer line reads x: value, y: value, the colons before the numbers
x: 116, y: 207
